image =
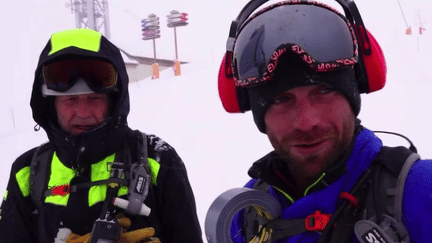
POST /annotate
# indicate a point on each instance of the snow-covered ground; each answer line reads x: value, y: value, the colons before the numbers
x: 185, y: 110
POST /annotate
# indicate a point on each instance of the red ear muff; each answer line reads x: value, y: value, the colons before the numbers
x: 234, y: 100
x: 374, y: 63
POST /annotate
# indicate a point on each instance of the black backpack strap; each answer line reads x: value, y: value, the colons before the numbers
x: 341, y: 224
x: 390, y: 164
x: 39, y: 169
x: 144, y: 150
x: 140, y: 180
x: 383, y: 210
x: 401, y: 185
x: 137, y: 177
x: 379, y: 201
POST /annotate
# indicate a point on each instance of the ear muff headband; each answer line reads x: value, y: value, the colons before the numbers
x: 370, y: 70
x: 372, y: 65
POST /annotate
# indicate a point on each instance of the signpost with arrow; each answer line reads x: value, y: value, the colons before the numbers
x: 176, y: 19
x: 150, y: 28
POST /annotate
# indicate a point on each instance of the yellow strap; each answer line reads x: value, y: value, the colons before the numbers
x: 139, y: 235
x: 285, y: 194
x: 313, y: 184
x: 74, y: 238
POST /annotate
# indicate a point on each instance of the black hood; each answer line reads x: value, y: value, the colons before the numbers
x: 91, y: 146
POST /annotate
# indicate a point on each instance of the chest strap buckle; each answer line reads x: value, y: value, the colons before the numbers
x: 317, y: 221
x: 62, y: 190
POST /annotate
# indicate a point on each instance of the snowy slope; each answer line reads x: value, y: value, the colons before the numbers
x: 185, y: 111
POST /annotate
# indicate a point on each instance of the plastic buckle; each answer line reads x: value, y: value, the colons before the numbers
x: 105, y: 231
x: 351, y: 199
x: 138, y: 188
x: 317, y: 221
x: 60, y: 190
x: 116, y: 169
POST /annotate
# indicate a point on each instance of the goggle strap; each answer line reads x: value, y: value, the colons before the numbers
x: 78, y: 87
x: 247, y: 11
x: 230, y: 44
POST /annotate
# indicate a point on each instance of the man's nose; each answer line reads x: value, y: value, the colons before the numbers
x: 82, y: 109
x: 306, y: 115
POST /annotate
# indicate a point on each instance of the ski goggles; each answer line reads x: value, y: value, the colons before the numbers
x: 318, y: 34
x: 99, y: 75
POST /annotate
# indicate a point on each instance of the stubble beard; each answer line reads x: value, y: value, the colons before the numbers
x: 313, y: 165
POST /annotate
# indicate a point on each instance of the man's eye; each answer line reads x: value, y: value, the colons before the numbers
x: 95, y: 97
x: 71, y: 99
x: 280, y: 99
x: 326, y: 90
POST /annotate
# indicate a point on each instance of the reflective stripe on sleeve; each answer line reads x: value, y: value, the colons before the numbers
x: 23, y: 179
x: 154, y: 170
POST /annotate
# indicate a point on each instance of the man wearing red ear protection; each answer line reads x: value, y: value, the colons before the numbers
x: 300, y: 68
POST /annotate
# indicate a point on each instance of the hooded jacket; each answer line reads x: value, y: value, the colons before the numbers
x: 170, y: 197
x: 74, y: 150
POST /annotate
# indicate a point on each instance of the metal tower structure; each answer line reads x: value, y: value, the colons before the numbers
x: 92, y: 14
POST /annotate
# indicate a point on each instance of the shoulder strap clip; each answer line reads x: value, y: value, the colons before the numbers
x: 139, y: 181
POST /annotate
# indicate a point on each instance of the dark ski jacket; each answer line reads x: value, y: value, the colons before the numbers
x: 170, y: 197
x: 324, y: 194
